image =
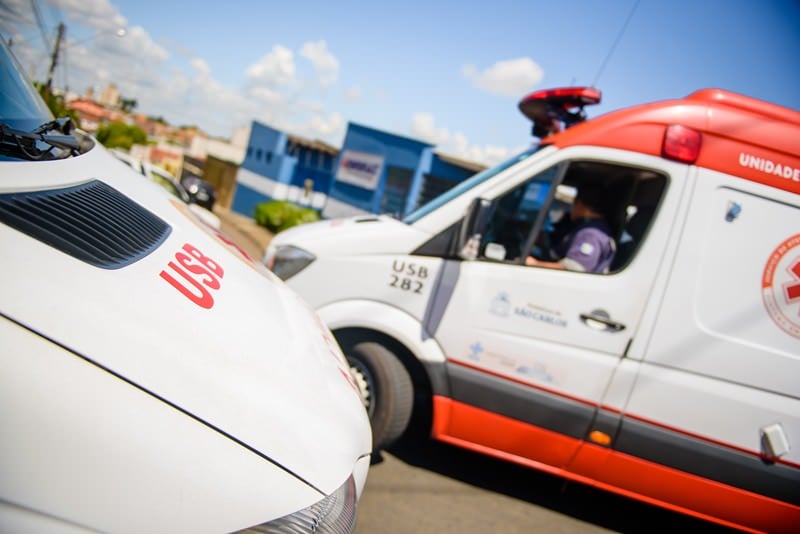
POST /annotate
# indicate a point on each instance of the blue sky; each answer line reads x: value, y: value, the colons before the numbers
x: 450, y: 73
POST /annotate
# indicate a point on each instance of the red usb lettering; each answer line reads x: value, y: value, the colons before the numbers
x: 204, y: 260
x: 197, y: 276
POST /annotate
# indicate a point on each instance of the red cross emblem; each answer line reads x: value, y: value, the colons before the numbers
x: 780, y: 286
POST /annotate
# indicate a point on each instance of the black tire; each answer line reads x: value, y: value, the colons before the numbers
x: 387, y: 390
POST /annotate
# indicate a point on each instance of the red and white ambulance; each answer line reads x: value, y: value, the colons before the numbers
x: 673, y: 378
x: 153, y: 376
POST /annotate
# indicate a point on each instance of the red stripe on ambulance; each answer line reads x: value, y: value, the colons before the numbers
x: 515, y: 441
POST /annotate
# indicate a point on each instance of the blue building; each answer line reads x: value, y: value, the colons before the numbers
x: 374, y: 172
x: 278, y: 166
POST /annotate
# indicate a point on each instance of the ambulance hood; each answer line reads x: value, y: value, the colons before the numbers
x: 193, y: 321
x: 364, y: 234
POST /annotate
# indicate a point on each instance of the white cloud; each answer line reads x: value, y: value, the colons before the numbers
x: 279, y: 93
x: 99, y: 14
x: 324, y: 63
x: 267, y: 95
x: 487, y: 155
x: 490, y: 154
x: 14, y: 15
x: 510, y: 77
x: 312, y: 106
x: 180, y: 87
x: 352, y: 94
x: 423, y: 126
x: 275, y: 68
x: 321, y: 126
x: 138, y: 46
x: 201, y: 68
x: 89, y: 24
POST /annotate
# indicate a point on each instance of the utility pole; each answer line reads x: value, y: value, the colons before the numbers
x: 54, y: 56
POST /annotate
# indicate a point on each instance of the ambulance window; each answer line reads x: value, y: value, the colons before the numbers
x: 609, y: 206
x: 514, y: 216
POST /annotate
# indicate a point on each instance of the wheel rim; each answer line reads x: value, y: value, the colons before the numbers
x: 365, y: 383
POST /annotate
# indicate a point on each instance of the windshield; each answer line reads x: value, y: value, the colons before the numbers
x: 169, y: 183
x: 20, y: 104
x: 466, y: 185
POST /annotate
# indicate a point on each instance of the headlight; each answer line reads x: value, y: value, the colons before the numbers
x: 335, y: 514
x: 287, y: 260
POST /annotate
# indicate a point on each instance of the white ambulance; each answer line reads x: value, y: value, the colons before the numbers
x: 673, y: 377
x: 153, y: 376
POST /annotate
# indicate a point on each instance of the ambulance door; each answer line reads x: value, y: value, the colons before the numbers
x: 531, y: 350
x: 713, y: 422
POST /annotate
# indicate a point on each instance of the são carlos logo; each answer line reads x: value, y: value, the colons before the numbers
x: 780, y: 286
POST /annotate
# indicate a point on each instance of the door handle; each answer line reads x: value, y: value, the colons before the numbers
x: 600, y: 320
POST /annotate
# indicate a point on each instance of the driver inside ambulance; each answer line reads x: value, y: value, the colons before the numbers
x: 581, y: 241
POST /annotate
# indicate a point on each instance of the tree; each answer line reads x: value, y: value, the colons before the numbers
x: 128, y: 104
x: 56, y: 103
x: 120, y: 135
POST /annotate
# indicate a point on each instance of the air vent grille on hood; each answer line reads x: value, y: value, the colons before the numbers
x: 92, y: 222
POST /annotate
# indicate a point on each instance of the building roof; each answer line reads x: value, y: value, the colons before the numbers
x: 464, y: 164
x: 313, y: 144
x: 94, y: 111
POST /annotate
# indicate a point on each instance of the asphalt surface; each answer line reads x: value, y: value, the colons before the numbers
x: 422, y: 491
x: 244, y: 232
x: 422, y: 486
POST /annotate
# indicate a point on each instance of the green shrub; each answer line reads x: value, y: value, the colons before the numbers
x: 278, y: 215
x: 120, y: 135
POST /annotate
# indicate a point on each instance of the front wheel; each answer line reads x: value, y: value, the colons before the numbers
x: 386, y: 389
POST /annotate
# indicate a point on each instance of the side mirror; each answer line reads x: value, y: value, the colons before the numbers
x: 473, y: 228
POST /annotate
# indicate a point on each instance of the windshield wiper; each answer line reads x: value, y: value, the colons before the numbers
x: 38, y: 144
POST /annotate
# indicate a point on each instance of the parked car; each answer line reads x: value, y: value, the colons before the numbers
x: 115, y: 416
x: 169, y: 183
x: 200, y: 191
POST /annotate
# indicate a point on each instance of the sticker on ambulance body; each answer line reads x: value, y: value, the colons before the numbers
x: 780, y: 286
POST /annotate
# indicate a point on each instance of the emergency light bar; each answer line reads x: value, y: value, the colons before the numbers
x: 552, y: 110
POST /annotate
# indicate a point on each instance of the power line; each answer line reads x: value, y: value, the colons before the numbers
x: 39, y: 22
x: 616, y: 42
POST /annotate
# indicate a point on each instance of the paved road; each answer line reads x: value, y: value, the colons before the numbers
x: 243, y: 230
x: 432, y: 487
